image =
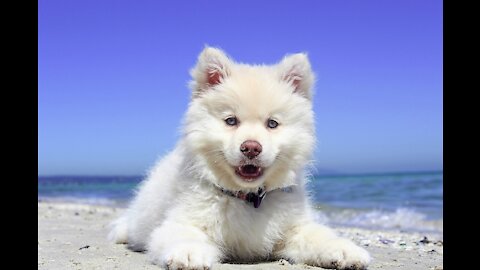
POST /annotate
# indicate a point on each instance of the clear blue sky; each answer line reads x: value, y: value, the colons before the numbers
x: 112, y: 77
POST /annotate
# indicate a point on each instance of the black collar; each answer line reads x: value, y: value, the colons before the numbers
x: 252, y: 197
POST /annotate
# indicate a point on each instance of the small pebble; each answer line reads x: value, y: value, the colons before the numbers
x: 386, y: 241
x: 365, y: 242
x: 424, y: 240
x: 87, y: 246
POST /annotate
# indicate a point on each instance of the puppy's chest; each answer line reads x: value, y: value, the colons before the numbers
x: 244, y: 230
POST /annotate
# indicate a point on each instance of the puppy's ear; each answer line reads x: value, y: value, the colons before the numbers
x: 295, y: 70
x: 212, y: 67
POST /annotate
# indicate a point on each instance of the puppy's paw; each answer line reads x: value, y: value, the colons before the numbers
x: 186, y: 256
x: 343, y: 254
x: 118, y: 231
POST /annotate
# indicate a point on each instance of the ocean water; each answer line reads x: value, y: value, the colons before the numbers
x: 404, y: 201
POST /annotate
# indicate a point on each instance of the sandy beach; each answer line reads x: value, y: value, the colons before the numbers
x: 74, y: 236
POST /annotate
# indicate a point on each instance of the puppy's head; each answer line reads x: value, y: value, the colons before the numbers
x: 249, y: 126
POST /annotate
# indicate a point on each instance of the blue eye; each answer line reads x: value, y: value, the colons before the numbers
x: 272, y: 123
x: 231, y: 121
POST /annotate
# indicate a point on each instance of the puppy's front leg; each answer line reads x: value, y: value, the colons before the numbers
x: 178, y: 246
x: 317, y: 245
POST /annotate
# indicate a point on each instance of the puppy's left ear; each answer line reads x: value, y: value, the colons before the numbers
x: 295, y: 70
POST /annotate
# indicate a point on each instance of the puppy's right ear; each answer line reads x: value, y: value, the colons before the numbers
x: 212, y: 67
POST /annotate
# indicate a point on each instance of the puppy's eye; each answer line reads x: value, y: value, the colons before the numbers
x: 272, y: 123
x: 231, y: 121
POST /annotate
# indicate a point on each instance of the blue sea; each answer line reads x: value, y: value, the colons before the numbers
x: 400, y: 201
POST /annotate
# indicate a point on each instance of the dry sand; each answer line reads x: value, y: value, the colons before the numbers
x: 73, y: 236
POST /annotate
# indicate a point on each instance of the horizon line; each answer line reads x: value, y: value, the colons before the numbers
x: 330, y: 174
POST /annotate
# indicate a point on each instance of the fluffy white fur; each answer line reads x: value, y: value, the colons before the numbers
x: 179, y: 215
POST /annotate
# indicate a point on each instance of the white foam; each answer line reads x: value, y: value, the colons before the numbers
x: 402, y: 219
x: 83, y: 200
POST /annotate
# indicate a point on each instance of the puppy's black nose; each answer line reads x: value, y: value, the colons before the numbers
x: 251, y: 149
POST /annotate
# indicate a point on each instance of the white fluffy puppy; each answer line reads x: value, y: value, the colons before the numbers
x: 234, y: 186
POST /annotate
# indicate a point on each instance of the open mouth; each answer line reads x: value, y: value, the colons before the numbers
x: 249, y: 173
